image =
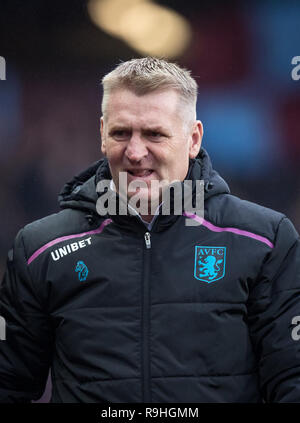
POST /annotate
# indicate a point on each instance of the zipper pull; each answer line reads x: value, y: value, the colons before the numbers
x: 147, y: 240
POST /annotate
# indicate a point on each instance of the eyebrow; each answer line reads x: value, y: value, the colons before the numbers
x: 119, y: 128
x: 154, y: 128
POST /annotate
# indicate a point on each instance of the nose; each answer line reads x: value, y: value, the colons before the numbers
x: 136, y: 149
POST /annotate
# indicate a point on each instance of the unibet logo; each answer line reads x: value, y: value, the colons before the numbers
x: 70, y: 248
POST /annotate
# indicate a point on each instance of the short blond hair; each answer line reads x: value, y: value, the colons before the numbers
x: 149, y: 74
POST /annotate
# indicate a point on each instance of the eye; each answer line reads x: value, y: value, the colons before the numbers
x: 154, y: 135
x: 120, y: 134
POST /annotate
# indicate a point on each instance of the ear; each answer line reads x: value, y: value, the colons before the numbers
x: 103, y: 145
x: 196, y: 139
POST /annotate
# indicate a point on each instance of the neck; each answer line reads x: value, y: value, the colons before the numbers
x: 147, y: 218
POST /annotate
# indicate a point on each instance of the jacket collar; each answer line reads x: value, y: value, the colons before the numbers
x: 80, y: 192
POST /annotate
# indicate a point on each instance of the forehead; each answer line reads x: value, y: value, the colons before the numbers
x: 157, y: 107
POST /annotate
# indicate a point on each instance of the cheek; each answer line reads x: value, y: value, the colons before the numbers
x: 178, y: 163
x: 114, y: 152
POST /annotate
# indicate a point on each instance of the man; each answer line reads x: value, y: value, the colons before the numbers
x: 142, y: 307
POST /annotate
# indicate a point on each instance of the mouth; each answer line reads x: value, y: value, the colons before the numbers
x: 140, y: 173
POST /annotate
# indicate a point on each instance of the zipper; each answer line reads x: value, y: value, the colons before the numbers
x: 146, y: 390
x: 147, y: 240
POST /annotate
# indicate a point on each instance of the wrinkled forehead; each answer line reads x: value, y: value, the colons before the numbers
x: 123, y: 102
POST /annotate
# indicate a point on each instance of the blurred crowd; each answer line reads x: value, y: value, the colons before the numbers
x: 58, y: 135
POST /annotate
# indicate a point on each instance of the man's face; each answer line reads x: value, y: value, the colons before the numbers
x: 148, y: 137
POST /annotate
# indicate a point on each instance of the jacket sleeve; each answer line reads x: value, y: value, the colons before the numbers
x: 273, y: 315
x: 26, y: 340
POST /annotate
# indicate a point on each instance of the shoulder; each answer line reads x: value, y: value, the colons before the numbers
x: 227, y: 210
x: 51, y: 229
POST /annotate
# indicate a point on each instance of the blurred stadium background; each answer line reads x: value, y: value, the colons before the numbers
x: 57, y: 52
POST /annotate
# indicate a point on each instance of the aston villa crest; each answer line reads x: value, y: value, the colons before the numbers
x: 209, y: 263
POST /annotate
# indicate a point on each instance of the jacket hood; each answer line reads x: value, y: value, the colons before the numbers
x: 80, y: 192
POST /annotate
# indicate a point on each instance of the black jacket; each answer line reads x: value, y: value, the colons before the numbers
x: 186, y: 314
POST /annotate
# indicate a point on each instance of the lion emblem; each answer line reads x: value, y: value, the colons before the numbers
x: 209, y: 267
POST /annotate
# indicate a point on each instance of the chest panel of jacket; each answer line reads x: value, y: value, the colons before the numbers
x: 101, y: 315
